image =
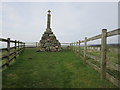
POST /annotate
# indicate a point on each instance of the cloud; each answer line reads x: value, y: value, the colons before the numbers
x: 70, y: 21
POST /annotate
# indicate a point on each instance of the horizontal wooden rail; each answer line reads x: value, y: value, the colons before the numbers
x: 99, y: 63
x: 94, y: 66
x: 3, y: 40
x: 13, y: 41
x: 94, y: 38
x: 65, y: 43
x: 114, y: 32
x: 110, y: 33
x: 93, y: 57
x: 113, y: 66
x: 113, y: 80
x: 108, y: 76
x: 11, y: 52
x: 109, y: 64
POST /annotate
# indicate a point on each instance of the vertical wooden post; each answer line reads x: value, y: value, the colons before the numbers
x: 76, y: 46
x: 36, y: 44
x: 8, y: 51
x: 18, y: 47
x: 15, y: 48
x: 21, y: 47
x: 103, y: 53
x: 24, y: 45
x: 72, y: 46
x: 79, y: 46
x: 85, y: 49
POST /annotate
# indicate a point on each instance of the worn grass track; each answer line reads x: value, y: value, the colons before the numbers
x: 51, y: 70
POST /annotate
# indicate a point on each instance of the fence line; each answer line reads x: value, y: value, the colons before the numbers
x: 101, y: 64
x: 31, y: 44
x: 11, y: 52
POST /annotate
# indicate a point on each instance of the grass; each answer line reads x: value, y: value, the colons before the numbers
x: 112, y: 56
x: 51, y: 70
x: 112, y: 53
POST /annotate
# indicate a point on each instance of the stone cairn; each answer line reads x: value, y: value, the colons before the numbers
x: 48, y: 41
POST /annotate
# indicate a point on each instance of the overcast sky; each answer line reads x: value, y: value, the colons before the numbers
x: 26, y: 21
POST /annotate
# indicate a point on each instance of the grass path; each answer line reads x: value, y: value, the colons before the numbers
x: 51, y: 70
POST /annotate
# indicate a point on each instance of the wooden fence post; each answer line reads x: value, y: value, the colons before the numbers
x: 8, y: 51
x: 24, y: 45
x: 85, y: 49
x: 79, y: 46
x: 18, y: 48
x: 15, y: 48
x: 103, y: 53
x: 72, y: 46
x: 21, y: 47
x: 76, y: 46
x: 36, y: 44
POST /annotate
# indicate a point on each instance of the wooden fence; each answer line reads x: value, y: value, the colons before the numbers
x: 31, y: 44
x: 10, y: 53
x: 101, y: 62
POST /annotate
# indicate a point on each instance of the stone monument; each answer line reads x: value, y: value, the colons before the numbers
x: 48, y: 40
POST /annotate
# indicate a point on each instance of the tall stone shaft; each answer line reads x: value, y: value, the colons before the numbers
x: 48, y: 19
x: 48, y: 40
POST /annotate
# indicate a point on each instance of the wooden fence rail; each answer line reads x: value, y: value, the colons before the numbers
x: 102, y: 60
x: 11, y: 52
x: 31, y: 44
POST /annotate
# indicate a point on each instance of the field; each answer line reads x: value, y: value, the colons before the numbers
x: 51, y: 70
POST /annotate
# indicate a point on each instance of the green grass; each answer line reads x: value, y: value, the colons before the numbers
x: 51, y: 70
x: 112, y: 53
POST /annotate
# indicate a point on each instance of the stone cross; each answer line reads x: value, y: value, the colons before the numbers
x: 49, y: 11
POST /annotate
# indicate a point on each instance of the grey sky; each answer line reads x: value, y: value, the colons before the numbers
x: 26, y: 21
